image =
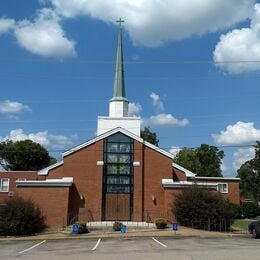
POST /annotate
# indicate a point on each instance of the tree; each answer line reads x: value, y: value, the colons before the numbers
x: 188, y: 159
x: 247, y: 179
x: 204, y: 161
x: 249, y: 174
x: 24, y: 156
x: 149, y: 136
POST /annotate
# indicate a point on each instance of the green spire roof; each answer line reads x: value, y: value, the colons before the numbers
x: 119, y: 84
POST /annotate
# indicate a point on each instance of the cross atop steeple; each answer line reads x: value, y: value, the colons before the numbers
x: 120, y: 21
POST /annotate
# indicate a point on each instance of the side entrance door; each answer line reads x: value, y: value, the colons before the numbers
x: 117, y: 206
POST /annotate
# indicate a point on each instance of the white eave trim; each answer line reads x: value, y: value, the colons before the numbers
x: 187, y: 172
x: 64, y: 182
x: 46, y: 170
x: 114, y: 131
x: 217, y: 178
x: 169, y: 183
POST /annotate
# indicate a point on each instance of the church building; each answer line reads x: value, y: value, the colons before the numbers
x: 114, y: 176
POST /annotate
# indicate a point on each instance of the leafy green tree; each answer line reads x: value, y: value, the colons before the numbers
x: 204, y: 161
x: 188, y: 159
x: 249, y: 174
x: 247, y: 179
x: 210, y: 161
x: 24, y: 156
x: 149, y: 136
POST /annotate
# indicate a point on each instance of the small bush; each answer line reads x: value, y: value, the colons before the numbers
x: 161, y: 223
x: 20, y: 217
x: 82, y: 228
x: 250, y: 210
x: 117, y: 226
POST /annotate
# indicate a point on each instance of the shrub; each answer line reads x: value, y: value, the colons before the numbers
x: 20, y: 217
x: 117, y: 226
x: 250, y: 210
x: 161, y: 223
x: 82, y: 228
x: 204, y: 209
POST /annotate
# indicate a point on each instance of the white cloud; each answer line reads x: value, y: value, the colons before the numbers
x: 165, y: 120
x: 162, y: 119
x: 157, y: 103
x: 175, y: 150
x: 55, y: 142
x: 44, y: 36
x: 241, y: 156
x: 12, y: 107
x: 240, y: 45
x: 6, y: 24
x: 224, y: 168
x: 134, y: 109
x: 239, y: 133
x: 151, y: 22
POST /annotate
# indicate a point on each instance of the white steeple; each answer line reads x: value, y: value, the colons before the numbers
x: 118, y: 104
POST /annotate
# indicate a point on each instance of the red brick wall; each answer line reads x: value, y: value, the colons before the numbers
x: 13, y: 176
x: 156, y: 168
x: 52, y: 201
x: 138, y: 183
x: 178, y: 175
x: 87, y: 178
x: 170, y: 196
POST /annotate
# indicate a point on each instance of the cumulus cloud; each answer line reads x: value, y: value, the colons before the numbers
x: 6, y: 25
x: 175, y: 150
x: 134, y: 109
x: 166, y: 120
x: 242, y: 155
x: 44, y: 36
x: 157, y: 103
x: 55, y: 142
x: 239, y: 133
x: 12, y: 107
x: 146, y: 24
x: 240, y: 45
x: 161, y: 118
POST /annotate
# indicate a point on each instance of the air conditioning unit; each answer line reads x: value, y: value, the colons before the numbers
x: 10, y: 193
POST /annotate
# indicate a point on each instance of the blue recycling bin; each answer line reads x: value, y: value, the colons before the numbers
x: 75, y: 229
x: 123, y: 229
x: 175, y: 227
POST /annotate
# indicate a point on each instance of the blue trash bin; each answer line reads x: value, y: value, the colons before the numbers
x: 175, y: 227
x: 123, y: 229
x: 75, y: 229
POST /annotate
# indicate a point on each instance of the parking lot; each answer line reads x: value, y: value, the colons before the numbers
x: 133, y: 248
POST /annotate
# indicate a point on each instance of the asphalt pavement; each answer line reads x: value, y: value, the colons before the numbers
x: 164, y: 248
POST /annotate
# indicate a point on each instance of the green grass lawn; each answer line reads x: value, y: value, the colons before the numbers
x: 241, y: 224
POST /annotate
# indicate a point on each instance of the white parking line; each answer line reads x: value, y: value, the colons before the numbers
x: 160, y: 243
x: 32, y: 247
x: 96, y: 245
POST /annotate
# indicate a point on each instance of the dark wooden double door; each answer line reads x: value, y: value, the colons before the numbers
x: 117, y: 206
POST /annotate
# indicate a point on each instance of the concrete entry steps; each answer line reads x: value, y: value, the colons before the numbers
x: 129, y: 225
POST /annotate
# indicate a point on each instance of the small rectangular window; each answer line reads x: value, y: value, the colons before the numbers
x: 4, y: 185
x: 223, y: 187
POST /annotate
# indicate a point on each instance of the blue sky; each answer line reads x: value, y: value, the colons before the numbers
x: 191, y: 68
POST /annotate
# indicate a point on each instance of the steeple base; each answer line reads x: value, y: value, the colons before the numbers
x: 131, y: 124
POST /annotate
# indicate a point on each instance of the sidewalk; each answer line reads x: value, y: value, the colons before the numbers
x: 183, y: 232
